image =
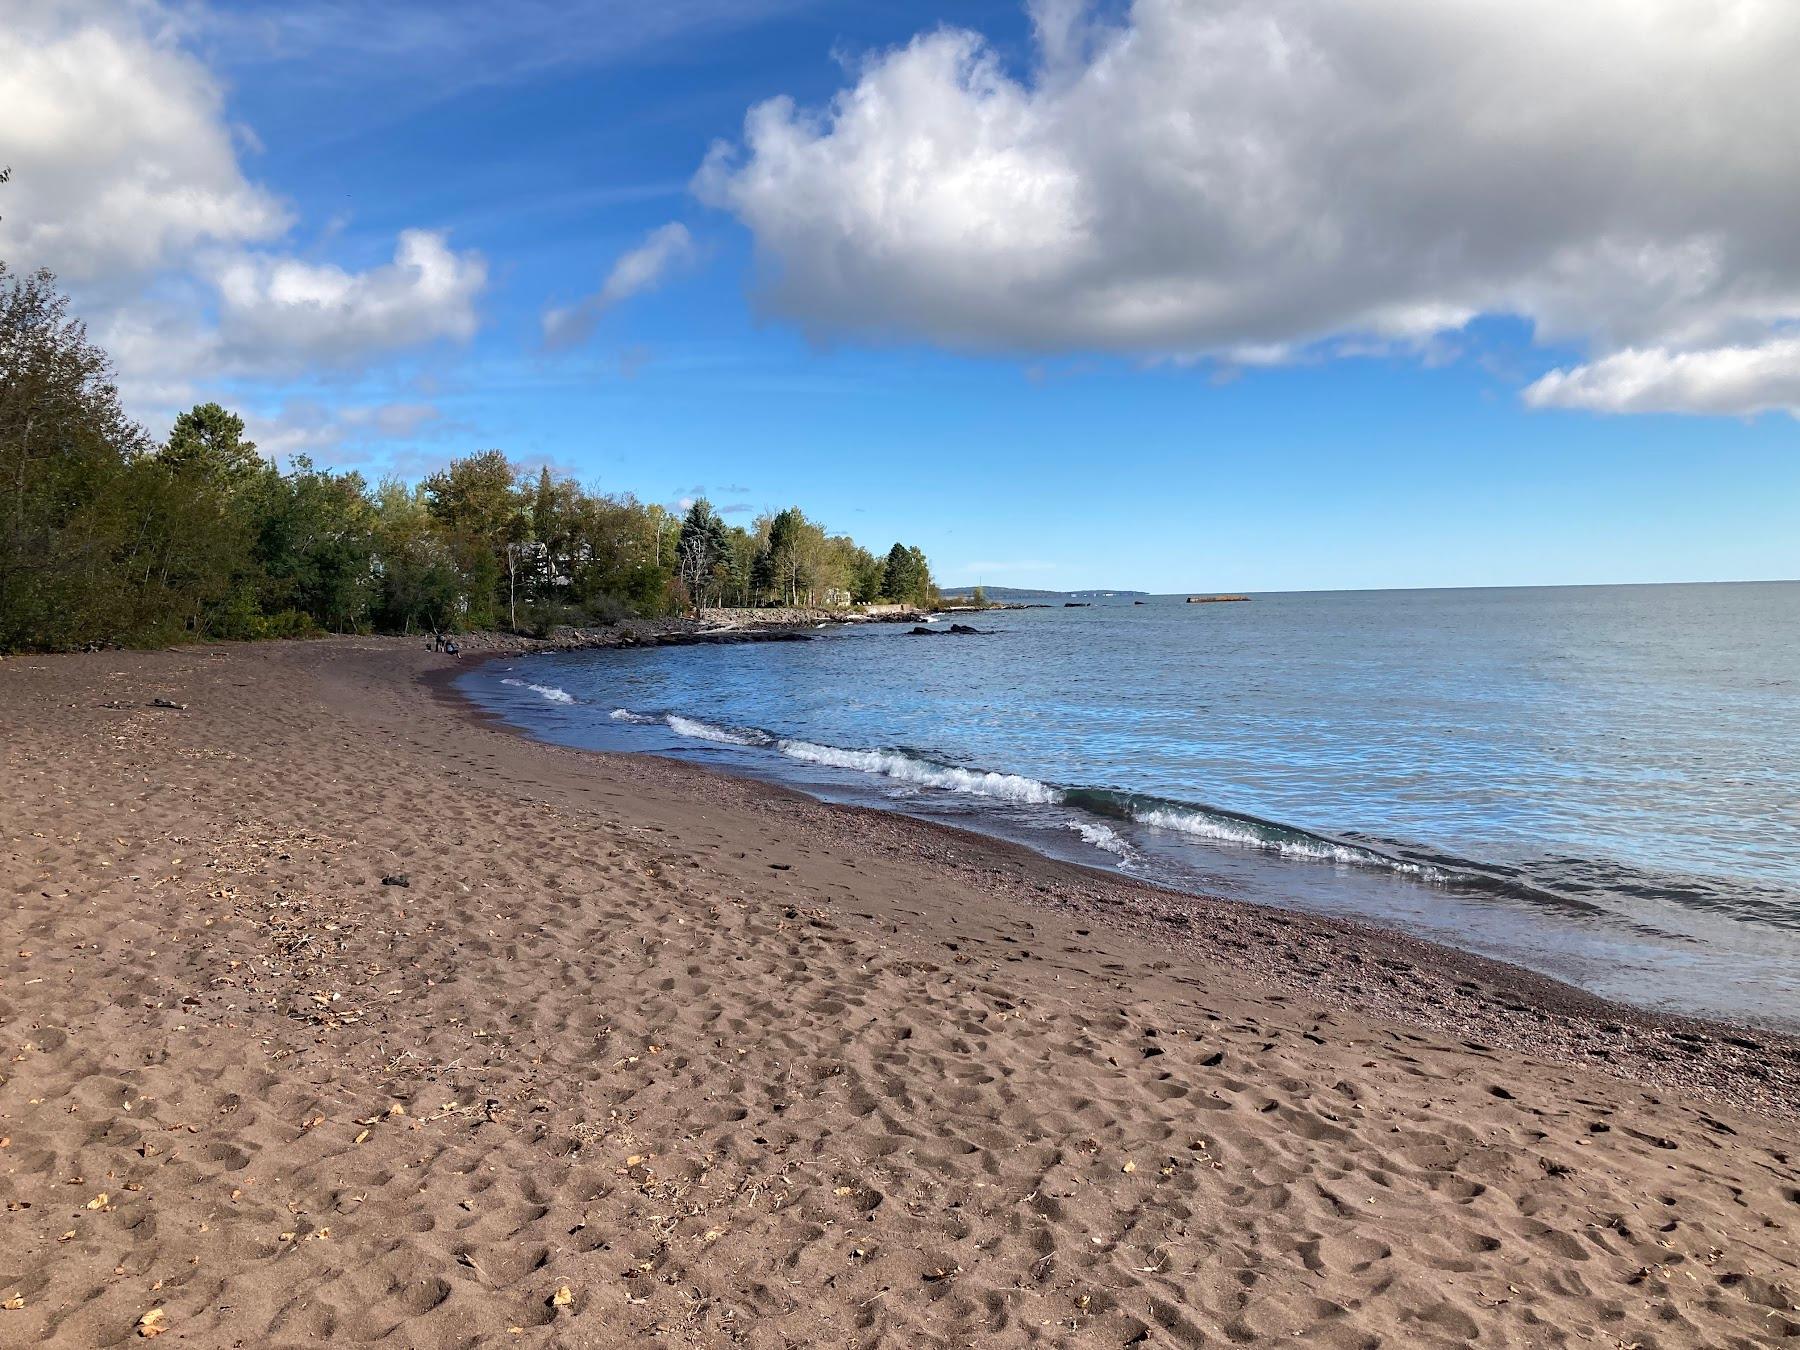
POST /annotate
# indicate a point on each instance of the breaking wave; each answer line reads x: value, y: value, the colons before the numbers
x: 695, y: 729
x: 1103, y: 837
x: 549, y: 691
x: 1099, y: 812
x: 905, y: 768
x: 1237, y: 830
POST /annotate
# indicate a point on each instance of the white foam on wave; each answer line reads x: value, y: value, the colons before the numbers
x: 549, y: 691
x: 913, y: 774
x: 1102, y: 837
x: 905, y: 769
x: 1223, y: 830
x: 695, y: 729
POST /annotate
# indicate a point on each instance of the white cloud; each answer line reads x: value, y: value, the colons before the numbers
x: 257, y: 316
x: 638, y: 270
x: 345, y: 434
x: 122, y: 160
x: 1222, y: 177
x: 127, y: 183
x: 1732, y: 380
x: 282, y: 310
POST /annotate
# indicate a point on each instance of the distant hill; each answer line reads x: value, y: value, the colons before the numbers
x: 1025, y: 594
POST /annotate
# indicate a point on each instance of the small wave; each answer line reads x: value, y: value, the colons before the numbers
x: 1240, y: 831
x: 1289, y: 843
x: 1102, y: 837
x: 907, y: 769
x: 695, y: 729
x: 1209, y: 824
x: 549, y: 691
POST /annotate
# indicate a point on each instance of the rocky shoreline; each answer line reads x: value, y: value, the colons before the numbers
x: 718, y: 627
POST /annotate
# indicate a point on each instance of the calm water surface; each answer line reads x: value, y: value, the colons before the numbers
x: 1602, y: 783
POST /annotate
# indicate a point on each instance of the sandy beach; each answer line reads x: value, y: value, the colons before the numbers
x: 335, y: 1013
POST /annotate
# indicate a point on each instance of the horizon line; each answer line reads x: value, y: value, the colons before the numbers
x: 1374, y: 590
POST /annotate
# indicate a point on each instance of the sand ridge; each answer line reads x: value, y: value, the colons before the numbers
x: 636, y: 1052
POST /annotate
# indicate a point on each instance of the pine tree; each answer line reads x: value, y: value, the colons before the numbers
x: 207, y: 443
x: 898, y: 581
x: 702, y: 547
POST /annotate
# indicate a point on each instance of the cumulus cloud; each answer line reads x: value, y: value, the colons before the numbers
x: 637, y: 270
x: 127, y: 183
x: 285, y: 310
x: 122, y: 159
x: 1736, y: 380
x: 248, y: 316
x: 1209, y: 177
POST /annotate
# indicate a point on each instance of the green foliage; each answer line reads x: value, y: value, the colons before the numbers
x: 67, y: 489
x: 906, y: 577
x: 795, y: 562
x: 867, y: 574
x: 701, y: 550
x: 207, y: 445
x: 108, y: 538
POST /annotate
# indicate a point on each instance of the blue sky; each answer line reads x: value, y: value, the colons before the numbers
x: 1025, y: 422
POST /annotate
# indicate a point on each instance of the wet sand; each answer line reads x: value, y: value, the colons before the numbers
x: 334, y: 1013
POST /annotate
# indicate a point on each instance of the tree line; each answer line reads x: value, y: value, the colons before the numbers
x: 108, y: 536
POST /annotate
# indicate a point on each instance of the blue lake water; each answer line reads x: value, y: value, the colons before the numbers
x: 1601, y: 783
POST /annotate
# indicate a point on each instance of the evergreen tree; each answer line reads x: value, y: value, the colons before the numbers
x: 207, y: 443
x: 898, y: 580
x: 701, y: 547
x: 906, y: 577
